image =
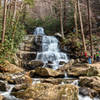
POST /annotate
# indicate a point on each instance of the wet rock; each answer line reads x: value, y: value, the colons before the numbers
x: 91, y: 82
x: 5, y: 76
x: 66, y: 66
x: 35, y: 63
x: 44, y: 91
x: 20, y: 78
x: 77, y: 70
x: 32, y: 73
x: 87, y: 92
x: 11, y: 68
x: 48, y: 72
x: 20, y: 87
x: 3, y: 86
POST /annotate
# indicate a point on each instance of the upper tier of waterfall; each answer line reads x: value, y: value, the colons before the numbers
x: 50, y: 53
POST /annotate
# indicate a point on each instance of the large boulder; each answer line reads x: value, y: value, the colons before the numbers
x: 48, y: 72
x: 91, y: 82
x: 17, y: 78
x: 84, y: 70
x: 11, y: 68
x: 77, y: 70
x: 35, y: 63
x: 94, y: 69
x: 44, y: 91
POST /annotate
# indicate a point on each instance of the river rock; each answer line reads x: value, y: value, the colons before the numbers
x: 5, y: 76
x: 57, y: 81
x: 3, y: 86
x: 84, y: 70
x: 87, y: 92
x: 77, y: 70
x: 11, y: 68
x: 44, y: 91
x: 94, y: 69
x: 20, y: 78
x: 35, y: 63
x: 66, y: 66
x: 48, y: 72
x: 91, y: 82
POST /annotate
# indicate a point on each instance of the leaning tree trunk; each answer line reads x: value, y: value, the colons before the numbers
x: 76, y: 16
x: 81, y: 23
x: 61, y: 19
x: 90, y: 25
x: 4, y: 21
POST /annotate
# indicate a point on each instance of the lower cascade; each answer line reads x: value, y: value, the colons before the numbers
x: 50, y: 52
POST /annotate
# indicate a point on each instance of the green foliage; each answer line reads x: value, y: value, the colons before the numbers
x: 30, y: 2
x: 9, y: 47
x: 50, y: 24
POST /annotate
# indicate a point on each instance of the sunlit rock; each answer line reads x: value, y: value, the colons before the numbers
x: 44, y: 91
x: 48, y: 72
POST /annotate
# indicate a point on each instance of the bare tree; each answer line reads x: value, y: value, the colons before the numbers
x: 90, y: 25
x: 76, y: 16
x: 4, y: 21
x: 61, y: 18
x: 81, y: 23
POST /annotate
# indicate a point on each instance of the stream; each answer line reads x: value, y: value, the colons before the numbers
x: 52, y: 56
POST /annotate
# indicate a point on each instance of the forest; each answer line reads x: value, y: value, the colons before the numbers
x: 49, y: 49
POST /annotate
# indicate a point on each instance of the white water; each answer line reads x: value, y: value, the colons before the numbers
x: 87, y: 98
x: 51, y: 52
x: 7, y: 94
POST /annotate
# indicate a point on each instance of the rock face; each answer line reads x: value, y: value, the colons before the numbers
x: 44, y: 91
x: 91, y: 82
x: 48, y: 72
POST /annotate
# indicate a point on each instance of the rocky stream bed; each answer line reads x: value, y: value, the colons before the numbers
x: 33, y: 78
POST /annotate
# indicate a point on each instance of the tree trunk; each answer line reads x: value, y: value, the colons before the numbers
x: 14, y: 16
x: 4, y: 21
x: 90, y: 25
x: 61, y: 19
x: 65, y: 16
x: 75, y: 16
x: 81, y: 23
x: 0, y: 3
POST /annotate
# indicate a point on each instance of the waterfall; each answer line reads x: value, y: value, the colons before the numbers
x: 51, y: 53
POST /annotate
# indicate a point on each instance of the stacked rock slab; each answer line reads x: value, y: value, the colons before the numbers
x: 28, y: 50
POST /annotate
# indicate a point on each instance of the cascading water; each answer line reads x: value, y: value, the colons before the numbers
x: 51, y: 52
